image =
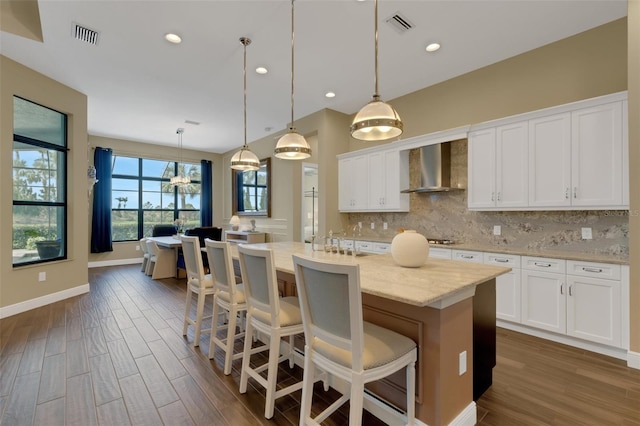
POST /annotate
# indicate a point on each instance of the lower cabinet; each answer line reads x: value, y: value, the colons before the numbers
x: 508, y: 294
x: 543, y: 294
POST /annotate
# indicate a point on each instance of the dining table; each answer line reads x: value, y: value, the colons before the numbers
x: 167, y: 262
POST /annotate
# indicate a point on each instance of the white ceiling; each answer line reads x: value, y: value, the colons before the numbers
x: 142, y: 88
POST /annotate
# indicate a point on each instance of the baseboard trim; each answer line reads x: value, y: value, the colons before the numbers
x: 467, y: 417
x: 566, y: 340
x: 27, y: 305
x: 633, y: 360
x: 119, y: 262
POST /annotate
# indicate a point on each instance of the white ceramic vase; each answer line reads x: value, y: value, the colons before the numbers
x: 409, y: 249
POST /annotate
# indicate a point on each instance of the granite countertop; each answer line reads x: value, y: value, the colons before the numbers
x: 554, y: 253
x: 427, y: 285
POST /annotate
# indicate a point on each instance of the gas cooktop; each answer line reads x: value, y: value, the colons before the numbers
x: 440, y: 242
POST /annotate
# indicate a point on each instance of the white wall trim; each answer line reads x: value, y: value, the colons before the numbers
x: 633, y: 360
x: 567, y: 340
x: 118, y: 262
x: 27, y: 305
x: 467, y: 417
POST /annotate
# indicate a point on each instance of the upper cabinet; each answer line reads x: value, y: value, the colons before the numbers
x: 563, y: 158
x: 498, y: 167
x: 373, y: 181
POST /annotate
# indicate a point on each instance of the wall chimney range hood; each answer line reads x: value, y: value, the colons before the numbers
x: 435, y: 169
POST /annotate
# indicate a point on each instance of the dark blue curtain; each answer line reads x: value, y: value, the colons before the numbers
x: 101, y: 222
x: 206, y: 208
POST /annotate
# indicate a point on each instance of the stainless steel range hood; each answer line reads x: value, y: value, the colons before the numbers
x: 435, y: 169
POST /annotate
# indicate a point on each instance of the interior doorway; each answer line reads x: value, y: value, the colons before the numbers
x: 310, y: 194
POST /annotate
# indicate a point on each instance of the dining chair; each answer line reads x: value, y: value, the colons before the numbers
x: 270, y: 315
x: 229, y: 296
x: 153, y: 250
x: 145, y: 254
x: 197, y: 283
x: 340, y: 342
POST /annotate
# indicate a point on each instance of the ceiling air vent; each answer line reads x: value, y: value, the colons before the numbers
x: 85, y: 34
x: 399, y: 23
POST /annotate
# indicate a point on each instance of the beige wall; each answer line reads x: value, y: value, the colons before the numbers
x: 21, y: 284
x: 127, y: 250
x: 634, y: 172
x: 327, y: 132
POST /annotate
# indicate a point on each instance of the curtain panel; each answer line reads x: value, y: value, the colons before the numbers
x: 206, y: 186
x: 101, y: 220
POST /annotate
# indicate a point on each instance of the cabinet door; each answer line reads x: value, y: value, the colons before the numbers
x: 625, y: 154
x: 543, y: 300
x: 550, y: 161
x: 353, y: 189
x: 508, y: 295
x: 594, y: 310
x: 377, y: 189
x: 512, y: 165
x: 596, y: 156
x: 482, y: 169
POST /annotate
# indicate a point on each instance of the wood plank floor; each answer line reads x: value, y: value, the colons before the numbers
x: 116, y: 356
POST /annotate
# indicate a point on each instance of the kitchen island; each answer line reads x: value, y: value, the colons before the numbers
x: 446, y: 307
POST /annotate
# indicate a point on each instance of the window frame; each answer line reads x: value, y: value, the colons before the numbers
x: 141, y: 178
x: 62, y: 177
x: 237, y: 190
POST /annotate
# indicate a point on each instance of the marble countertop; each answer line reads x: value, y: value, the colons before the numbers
x: 427, y: 285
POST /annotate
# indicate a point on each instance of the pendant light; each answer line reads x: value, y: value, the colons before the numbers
x: 377, y: 120
x: 179, y: 180
x: 245, y: 160
x: 292, y: 146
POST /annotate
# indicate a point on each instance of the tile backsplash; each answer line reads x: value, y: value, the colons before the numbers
x: 445, y: 215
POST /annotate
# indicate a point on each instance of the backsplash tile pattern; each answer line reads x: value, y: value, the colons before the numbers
x: 445, y: 215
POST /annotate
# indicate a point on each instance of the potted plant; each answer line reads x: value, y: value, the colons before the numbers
x: 47, y: 249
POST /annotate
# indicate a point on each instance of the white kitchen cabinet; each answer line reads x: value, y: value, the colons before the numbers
x: 467, y: 255
x: 388, y: 175
x: 596, y: 155
x: 353, y: 175
x: 439, y: 252
x: 508, y: 286
x: 594, y: 302
x: 550, y: 161
x: 498, y: 167
x: 544, y: 304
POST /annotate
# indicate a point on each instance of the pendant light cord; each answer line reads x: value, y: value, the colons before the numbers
x: 292, y: 61
x: 375, y: 80
x: 245, y: 42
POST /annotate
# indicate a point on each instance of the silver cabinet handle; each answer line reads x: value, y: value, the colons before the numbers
x: 561, y: 288
x: 543, y: 265
x: 501, y: 260
x: 575, y: 192
x: 493, y: 196
x: 596, y: 270
x: 570, y: 293
x: 466, y: 256
x: 499, y: 196
x: 566, y: 193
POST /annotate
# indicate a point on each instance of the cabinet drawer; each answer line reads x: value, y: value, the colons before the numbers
x: 593, y: 269
x: 544, y: 264
x: 508, y: 260
x: 467, y: 256
x: 439, y: 253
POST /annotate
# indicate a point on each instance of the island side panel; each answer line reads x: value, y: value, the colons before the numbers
x: 444, y: 333
x: 484, y: 333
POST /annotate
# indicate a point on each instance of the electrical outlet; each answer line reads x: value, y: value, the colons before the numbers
x: 587, y: 234
x: 462, y: 363
x: 137, y: 248
x: 360, y: 225
x: 384, y: 226
x: 42, y: 276
x: 373, y: 225
x: 497, y: 230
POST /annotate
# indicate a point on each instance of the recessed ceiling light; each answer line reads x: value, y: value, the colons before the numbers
x: 262, y: 70
x: 432, y: 47
x: 330, y: 95
x: 173, y: 38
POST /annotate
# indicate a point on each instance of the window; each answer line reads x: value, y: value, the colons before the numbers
x: 251, y: 191
x: 39, y: 183
x: 143, y: 197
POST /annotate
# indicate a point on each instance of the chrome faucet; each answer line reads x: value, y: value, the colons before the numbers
x: 359, y: 229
